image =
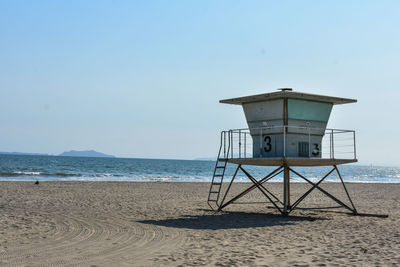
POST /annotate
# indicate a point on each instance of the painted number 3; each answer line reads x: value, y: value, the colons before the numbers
x: 315, y: 151
x: 268, y: 146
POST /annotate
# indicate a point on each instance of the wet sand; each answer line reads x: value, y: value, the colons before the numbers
x: 170, y: 224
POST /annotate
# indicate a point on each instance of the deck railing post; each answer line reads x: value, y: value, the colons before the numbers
x: 225, y: 156
x: 309, y: 141
x: 240, y: 144
x: 231, y: 140
x: 260, y: 142
x: 284, y: 141
x: 245, y: 144
x: 333, y: 145
x: 330, y: 145
x: 354, y: 144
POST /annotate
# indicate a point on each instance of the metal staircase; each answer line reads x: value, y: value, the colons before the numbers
x: 219, y: 172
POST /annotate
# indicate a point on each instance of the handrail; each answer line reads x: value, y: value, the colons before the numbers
x: 289, y: 126
x: 241, y: 141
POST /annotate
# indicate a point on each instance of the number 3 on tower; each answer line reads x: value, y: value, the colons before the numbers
x: 268, y: 146
x: 315, y: 151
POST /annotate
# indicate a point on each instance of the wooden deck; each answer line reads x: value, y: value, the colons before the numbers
x: 289, y: 161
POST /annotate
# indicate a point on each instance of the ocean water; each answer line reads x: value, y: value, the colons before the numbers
x: 55, y: 168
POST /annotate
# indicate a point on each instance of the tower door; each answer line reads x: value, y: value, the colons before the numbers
x: 303, y: 149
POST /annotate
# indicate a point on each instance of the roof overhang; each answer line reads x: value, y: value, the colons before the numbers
x: 287, y: 94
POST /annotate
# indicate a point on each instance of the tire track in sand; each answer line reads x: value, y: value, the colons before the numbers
x: 80, y: 241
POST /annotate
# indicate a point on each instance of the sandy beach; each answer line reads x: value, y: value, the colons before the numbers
x: 170, y: 224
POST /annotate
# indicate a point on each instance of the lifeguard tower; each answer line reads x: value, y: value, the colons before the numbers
x: 285, y: 129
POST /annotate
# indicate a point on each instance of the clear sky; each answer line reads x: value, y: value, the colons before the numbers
x: 143, y: 78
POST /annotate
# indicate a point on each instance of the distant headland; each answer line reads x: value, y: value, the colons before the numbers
x: 85, y: 153
x: 71, y: 153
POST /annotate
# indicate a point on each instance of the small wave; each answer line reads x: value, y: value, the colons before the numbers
x: 56, y: 174
x: 19, y: 173
x: 29, y: 173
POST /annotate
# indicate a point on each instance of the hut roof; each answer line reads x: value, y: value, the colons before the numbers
x: 287, y: 93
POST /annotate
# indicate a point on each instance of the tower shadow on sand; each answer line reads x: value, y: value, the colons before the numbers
x: 230, y: 220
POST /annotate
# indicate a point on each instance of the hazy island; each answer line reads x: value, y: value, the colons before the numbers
x: 85, y: 153
x: 72, y: 153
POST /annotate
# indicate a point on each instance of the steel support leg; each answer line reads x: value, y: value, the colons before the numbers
x: 286, y: 190
x: 345, y: 189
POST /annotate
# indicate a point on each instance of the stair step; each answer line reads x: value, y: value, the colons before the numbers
x: 217, y: 178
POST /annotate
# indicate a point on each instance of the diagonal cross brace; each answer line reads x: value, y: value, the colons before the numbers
x: 297, y: 202
x: 260, y: 183
x: 229, y: 187
x: 263, y: 180
x: 261, y: 187
x: 325, y: 192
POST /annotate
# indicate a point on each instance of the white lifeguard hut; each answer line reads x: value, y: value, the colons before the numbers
x: 285, y: 129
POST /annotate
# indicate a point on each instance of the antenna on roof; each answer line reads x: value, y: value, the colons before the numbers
x: 285, y: 89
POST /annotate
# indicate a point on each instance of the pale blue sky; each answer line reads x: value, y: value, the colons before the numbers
x: 143, y: 78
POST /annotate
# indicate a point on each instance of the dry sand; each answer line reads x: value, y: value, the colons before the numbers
x: 158, y: 224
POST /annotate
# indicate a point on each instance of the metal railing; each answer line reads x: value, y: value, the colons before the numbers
x: 331, y: 144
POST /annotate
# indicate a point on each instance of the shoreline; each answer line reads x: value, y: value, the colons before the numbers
x: 194, y: 182
x: 169, y: 224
